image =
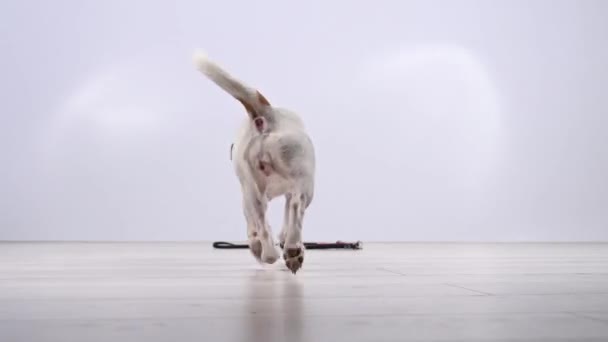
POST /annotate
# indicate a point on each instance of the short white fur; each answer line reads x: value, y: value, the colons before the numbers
x: 273, y: 156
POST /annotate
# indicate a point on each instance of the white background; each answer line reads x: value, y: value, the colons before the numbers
x: 432, y: 120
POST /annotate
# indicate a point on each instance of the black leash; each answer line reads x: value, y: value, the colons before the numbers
x: 307, y: 245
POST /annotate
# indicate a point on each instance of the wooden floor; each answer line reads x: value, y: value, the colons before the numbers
x: 183, y: 292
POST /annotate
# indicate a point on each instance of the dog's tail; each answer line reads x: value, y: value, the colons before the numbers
x: 254, y: 102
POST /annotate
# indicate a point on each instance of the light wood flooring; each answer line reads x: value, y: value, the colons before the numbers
x: 180, y: 292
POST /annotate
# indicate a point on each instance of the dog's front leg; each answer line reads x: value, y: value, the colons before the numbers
x: 261, y: 242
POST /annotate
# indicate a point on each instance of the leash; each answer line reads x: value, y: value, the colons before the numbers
x: 308, y: 245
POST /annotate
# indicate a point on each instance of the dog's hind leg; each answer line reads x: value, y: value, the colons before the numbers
x: 255, y: 245
x: 293, y: 248
x: 261, y: 242
x: 283, y: 233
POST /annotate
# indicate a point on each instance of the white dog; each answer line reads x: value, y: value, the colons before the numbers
x: 273, y: 156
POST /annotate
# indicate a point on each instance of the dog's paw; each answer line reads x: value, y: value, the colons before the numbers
x: 270, y: 254
x: 294, y: 257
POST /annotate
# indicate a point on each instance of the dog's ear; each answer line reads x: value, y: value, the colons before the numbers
x: 256, y: 105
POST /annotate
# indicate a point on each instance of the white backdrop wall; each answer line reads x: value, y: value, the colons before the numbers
x: 433, y: 120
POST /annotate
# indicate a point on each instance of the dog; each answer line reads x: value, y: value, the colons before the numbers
x: 272, y: 156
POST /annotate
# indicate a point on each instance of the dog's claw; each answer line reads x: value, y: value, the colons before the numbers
x: 292, y: 266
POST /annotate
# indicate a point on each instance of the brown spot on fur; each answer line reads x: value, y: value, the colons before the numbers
x: 249, y: 108
x: 265, y: 234
x: 262, y: 99
x: 256, y: 248
x: 301, y: 259
x: 255, y: 234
